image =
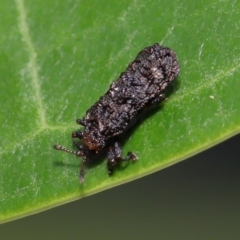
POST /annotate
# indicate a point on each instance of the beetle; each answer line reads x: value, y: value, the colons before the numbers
x: 140, y: 86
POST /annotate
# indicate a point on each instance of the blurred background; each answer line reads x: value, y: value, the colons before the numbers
x: 196, y: 199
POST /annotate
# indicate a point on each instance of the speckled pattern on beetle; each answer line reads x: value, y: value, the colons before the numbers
x: 141, y: 85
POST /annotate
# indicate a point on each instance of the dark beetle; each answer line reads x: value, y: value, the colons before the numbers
x: 140, y: 86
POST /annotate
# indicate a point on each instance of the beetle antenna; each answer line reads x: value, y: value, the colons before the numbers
x: 64, y: 149
x: 81, y: 174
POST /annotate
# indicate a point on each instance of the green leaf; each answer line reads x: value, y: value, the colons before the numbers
x: 58, y: 57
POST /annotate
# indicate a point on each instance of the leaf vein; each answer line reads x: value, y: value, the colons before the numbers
x: 32, y: 64
x: 209, y: 82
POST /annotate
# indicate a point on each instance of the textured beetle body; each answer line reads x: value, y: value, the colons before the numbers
x: 142, y: 84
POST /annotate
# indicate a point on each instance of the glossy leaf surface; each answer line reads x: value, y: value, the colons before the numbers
x: 58, y: 57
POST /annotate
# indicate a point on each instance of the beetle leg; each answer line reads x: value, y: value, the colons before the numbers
x: 81, y: 122
x: 81, y: 174
x: 131, y: 156
x: 77, y: 134
x: 155, y: 101
x: 111, y: 160
x: 115, y: 154
x: 118, y: 153
x: 77, y: 144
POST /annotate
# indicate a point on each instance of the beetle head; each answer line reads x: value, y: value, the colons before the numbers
x: 93, y: 140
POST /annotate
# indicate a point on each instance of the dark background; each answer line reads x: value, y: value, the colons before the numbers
x: 196, y: 199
